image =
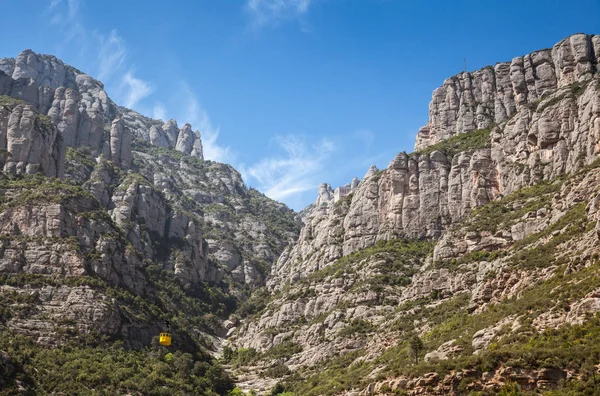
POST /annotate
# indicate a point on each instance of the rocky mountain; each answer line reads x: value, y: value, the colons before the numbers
x: 112, y: 222
x: 469, y: 265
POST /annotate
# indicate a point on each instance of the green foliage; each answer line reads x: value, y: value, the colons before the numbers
x: 399, y: 254
x: 257, y: 302
x: 283, y: 350
x: 109, y: 369
x: 241, y: 356
x: 572, y: 223
x: 280, y: 390
x: 473, y: 140
x: 304, y: 292
x: 277, y: 371
x: 471, y: 257
x: 574, y: 90
x: 347, y: 200
x: 250, y: 356
x: 504, y: 211
x: 545, y: 103
x: 340, y: 374
x: 197, y: 303
x: 37, y: 188
x: 278, y: 218
x: 416, y: 346
x: 357, y: 326
x: 45, y: 121
x: 563, y: 348
x: 80, y: 156
x: 9, y: 102
x: 236, y: 392
x: 578, y: 88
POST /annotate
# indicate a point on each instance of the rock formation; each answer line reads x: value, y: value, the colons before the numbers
x: 477, y: 253
x: 134, y: 200
x: 463, y: 242
x: 539, y: 128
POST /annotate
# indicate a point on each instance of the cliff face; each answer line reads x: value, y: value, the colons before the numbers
x: 28, y: 141
x: 471, y: 101
x: 134, y: 209
x: 490, y: 133
x: 462, y: 243
x: 82, y: 111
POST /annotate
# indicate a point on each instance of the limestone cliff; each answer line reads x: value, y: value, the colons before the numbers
x: 100, y: 204
x: 506, y: 127
x: 471, y: 244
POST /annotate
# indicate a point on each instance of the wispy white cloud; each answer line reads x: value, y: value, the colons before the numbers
x: 63, y: 14
x: 73, y: 7
x: 135, y: 89
x: 102, y: 55
x: 366, y: 137
x: 294, y: 171
x: 111, y: 54
x: 159, y: 111
x: 266, y: 12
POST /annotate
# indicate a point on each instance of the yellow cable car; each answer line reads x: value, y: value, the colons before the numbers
x: 165, y: 336
x: 165, y: 339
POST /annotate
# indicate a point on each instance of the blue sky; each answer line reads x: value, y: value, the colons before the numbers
x: 291, y: 92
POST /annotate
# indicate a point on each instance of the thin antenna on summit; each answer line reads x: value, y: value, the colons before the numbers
x: 465, y: 59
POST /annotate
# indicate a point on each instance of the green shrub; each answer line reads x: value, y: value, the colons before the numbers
x: 277, y: 371
x: 357, y: 326
x: 477, y: 139
x: 79, y: 369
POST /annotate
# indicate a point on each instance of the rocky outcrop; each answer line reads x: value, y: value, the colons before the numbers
x: 450, y: 384
x: 120, y: 144
x: 493, y: 95
x: 347, y: 288
x: 141, y: 228
x: 188, y: 142
x: 537, y: 132
x: 29, y: 142
x: 82, y: 111
x: 356, y: 305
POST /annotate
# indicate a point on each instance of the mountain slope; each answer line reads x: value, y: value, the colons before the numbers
x: 113, y: 222
x: 474, y: 247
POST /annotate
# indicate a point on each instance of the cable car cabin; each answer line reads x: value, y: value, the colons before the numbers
x: 165, y: 339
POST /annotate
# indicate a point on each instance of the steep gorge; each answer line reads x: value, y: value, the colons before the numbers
x: 481, y: 245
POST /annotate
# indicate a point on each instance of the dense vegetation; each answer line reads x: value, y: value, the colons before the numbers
x: 399, y: 260
x: 473, y: 140
x: 103, y: 368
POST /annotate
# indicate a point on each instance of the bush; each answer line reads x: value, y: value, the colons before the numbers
x: 473, y: 140
x: 277, y: 371
x: 357, y: 326
x: 79, y: 369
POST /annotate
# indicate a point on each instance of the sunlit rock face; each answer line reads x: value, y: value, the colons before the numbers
x: 542, y: 111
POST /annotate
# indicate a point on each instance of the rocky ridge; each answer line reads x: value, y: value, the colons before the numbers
x: 519, y: 134
x: 470, y: 242
x: 100, y: 204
